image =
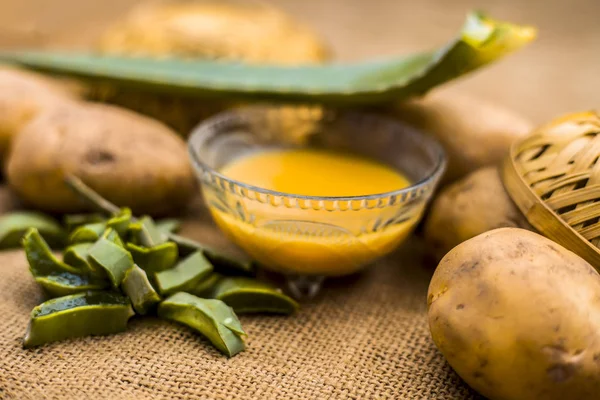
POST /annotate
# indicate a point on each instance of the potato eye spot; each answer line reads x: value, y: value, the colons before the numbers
x: 98, y: 157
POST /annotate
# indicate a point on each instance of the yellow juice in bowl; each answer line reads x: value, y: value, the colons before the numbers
x: 325, y: 237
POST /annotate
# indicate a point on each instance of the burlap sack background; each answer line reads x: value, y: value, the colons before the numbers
x: 365, y: 337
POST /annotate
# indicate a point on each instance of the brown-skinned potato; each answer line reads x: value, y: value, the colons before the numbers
x: 475, y: 204
x: 518, y: 317
x: 23, y: 95
x: 474, y: 133
x: 128, y: 158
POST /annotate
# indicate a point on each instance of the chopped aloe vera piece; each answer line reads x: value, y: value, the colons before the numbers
x: 41, y: 260
x: 146, y: 233
x: 223, y: 263
x: 66, y: 283
x: 246, y: 295
x: 77, y: 315
x: 120, y: 222
x: 211, y: 318
x: 112, y: 258
x: 154, y: 259
x: 74, y: 221
x: 139, y: 290
x: 168, y: 225
x: 13, y: 227
x: 113, y: 236
x: 76, y: 255
x: 185, y: 275
x: 205, y: 287
x: 87, y: 233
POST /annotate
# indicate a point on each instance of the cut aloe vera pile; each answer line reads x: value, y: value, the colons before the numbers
x: 116, y: 266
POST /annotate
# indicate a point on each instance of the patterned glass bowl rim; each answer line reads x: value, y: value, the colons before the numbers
x: 209, y: 126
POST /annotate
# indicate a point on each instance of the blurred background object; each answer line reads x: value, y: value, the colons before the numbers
x: 553, y: 76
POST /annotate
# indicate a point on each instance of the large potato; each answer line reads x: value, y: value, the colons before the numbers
x: 130, y: 159
x: 474, y: 133
x: 518, y: 317
x: 23, y: 95
x: 464, y: 209
x: 210, y: 29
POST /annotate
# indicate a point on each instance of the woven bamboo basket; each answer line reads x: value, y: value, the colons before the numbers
x: 554, y: 178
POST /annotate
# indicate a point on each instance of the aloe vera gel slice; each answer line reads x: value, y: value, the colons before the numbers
x: 139, y: 290
x: 154, y: 259
x: 41, y: 260
x: 112, y: 258
x: 211, y: 318
x: 185, y: 275
x: 65, y: 283
x: 13, y: 227
x: 87, y: 233
x: 247, y: 295
x: 82, y: 314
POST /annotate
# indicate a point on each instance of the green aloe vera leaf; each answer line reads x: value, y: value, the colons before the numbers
x: 145, y: 232
x: 113, y: 236
x: 480, y: 41
x: 205, y: 287
x: 246, y: 295
x: 78, y: 315
x: 211, y: 318
x: 76, y: 255
x: 120, y: 223
x: 223, y: 263
x: 66, y: 283
x: 168, y: 225
x: 183, y: 276
x: 13, y: 227
x: 74, y: 221
x: 154, y: 259
x: 40, y: 258
x: 87, y: 233
x: 139, y: 290
x: 112, y: 258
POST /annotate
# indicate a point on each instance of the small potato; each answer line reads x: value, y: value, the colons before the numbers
x: 23, y: 95
x: 129, y: 159
x: 473, y: 132
x: 518, y: 317
x: 248, y: 33
x: 473, y: 205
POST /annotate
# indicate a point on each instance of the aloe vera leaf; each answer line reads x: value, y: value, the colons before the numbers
x: 168, y: 225
x: 183, y: 276
x: 77, y: 315
x: 94, y: 199
x: 13, y: 227
x: 211, y: 318
x: 112, y: 258
x: 65, y: 283
x: 41, y: 260
x: 223, y: 263
x: 112, y: 235
x: 205, y: 288
x: 246, y: 295
x: 139, y: 290
x: 74, y: 221
x: 146, y: 233
x: 154, y: 259
x: 480, y: 41
x: 77, y: 256
x: 120, y: 223
x: 87, y: 233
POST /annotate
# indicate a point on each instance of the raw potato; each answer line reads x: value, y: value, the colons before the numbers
x: 130, y: 159
x: 211, y: 29
x: 23, y: 95
x: 518, y: 317
x: 473, y: 132
x: 477, y: 203
x: 254, y: 33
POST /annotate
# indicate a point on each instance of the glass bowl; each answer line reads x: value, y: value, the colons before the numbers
x: 308, y: 238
